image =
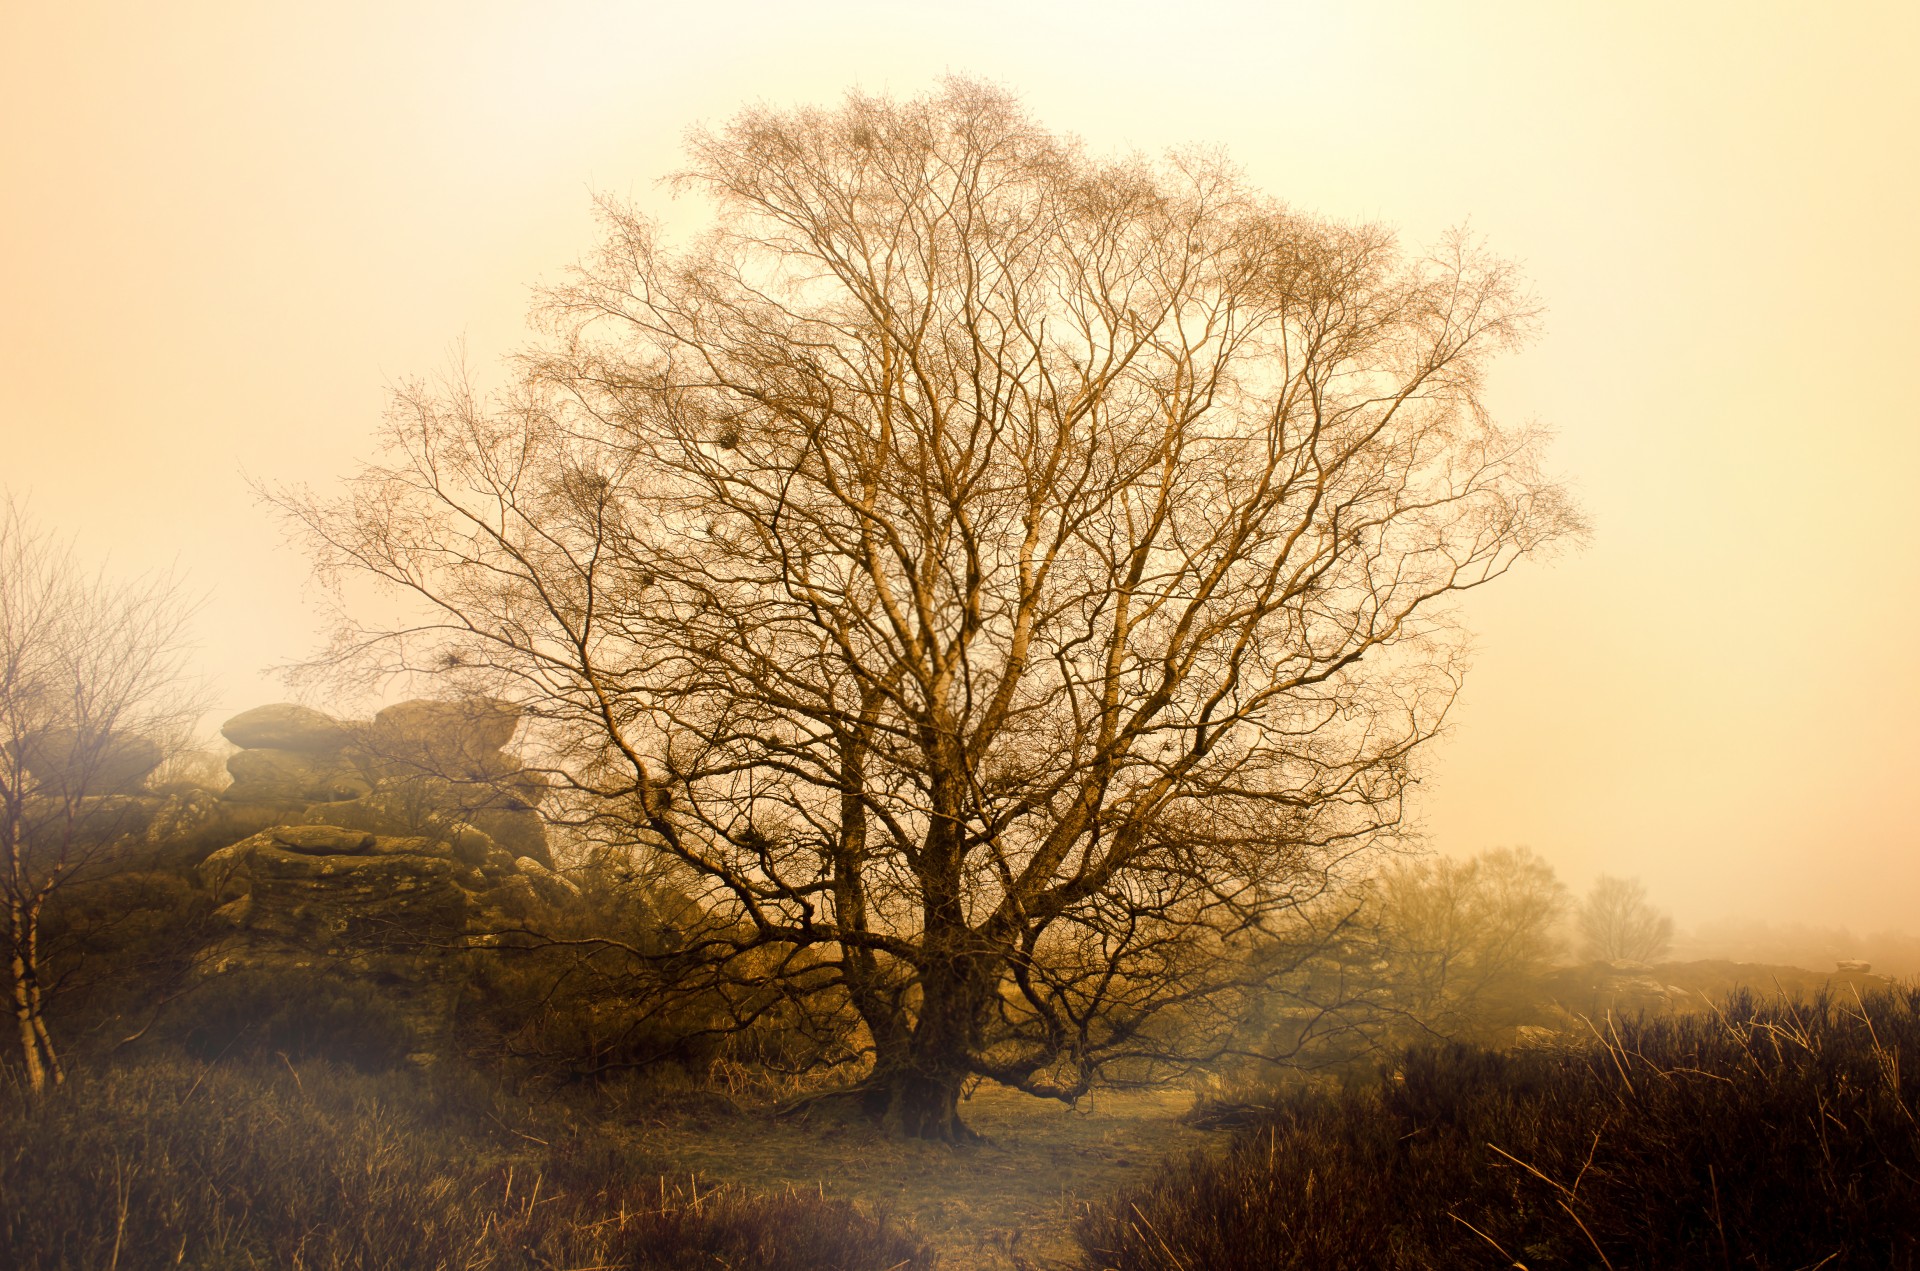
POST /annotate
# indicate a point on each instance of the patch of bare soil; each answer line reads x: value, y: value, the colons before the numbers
x: 1001, y: 1205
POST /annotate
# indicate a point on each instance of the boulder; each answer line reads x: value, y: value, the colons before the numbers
x: 437, y: 809
x: 459, y: 740
x: 548, y: 887
x: 291, y: 776
x: 523, y: 789
x: 184, y: 814
x: 383, y: 914
x: 477, y: 848
x: 513, y: 897
x: 389, y: 892
x: 413, y: 845
x: 521, y: 833
x: 227, y: 873
x: 234, y: 913
x: 78, y: 761
x: 287, y: 726
x: 394, y: 805
x: 322, y: 840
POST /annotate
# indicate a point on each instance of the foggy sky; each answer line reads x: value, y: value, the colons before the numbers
x: 226, y: 229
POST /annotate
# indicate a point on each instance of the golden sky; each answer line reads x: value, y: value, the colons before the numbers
x: 227, y: 228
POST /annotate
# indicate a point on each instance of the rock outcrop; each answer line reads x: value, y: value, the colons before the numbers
x: 395, y: 911
x: 287, y: 726
x: 414, y: 769
x: 372, y: 852
x: 91, y: 764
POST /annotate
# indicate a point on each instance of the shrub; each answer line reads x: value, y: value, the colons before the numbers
x: 303, y: 1014
x: 114, y: 946
x: 1769, y: 1135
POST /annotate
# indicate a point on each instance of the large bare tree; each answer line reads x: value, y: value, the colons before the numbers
x: 92, y: 692
x: 1009, y: 574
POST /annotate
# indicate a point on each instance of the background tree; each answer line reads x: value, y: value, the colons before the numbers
x: 90, y: 677
x: 1466, y: 942
x: 1426, y: 949
x: 1013, y: 576
x: 1617, y: 921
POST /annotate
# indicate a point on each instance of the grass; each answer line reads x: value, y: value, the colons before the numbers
x: 1767, y: 1134
x: 1003, y: 1204
x: 323, y: 1168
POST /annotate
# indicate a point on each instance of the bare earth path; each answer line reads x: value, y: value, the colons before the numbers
x: 1001, y: 1205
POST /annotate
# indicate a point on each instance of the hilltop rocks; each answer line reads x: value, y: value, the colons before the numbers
x: 373, y: 852
x: 459, y: 741
x: 287, y: 726
x: 324, y: 882
x: 73, y: 761
x: 415, y: 768
x: 321, y: 840
x: 424, y: 805
x: 269, y: 775
x: 385, y: 906
x: 382, y: 911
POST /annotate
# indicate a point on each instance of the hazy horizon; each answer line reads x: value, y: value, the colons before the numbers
x: 226, y: 233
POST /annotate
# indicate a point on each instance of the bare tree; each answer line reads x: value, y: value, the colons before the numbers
x: 1012, y: 574
x: 1426, y: 949
x: 90, y: 677
x: 1466, y: 941
x: 1617, y: 921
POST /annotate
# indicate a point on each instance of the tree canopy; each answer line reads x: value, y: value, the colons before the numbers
x: 1009, y: 574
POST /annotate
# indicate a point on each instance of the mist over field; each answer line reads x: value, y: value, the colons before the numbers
x: 228, y: 232
x: 749, y: 595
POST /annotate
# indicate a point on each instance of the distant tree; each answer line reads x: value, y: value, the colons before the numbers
x: 1465, y: 941
x: 90, y: 680
x: 1014, y: 576
x: 1617, y: 921
x: 1430, y: 948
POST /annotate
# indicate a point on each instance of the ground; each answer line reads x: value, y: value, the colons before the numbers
x: 1001, y: 1205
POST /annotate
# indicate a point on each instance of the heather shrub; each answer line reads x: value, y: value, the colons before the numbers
x: 1770, y: 1134
x: 302, y: 1013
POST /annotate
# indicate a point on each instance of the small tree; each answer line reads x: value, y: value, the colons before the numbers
x: 1432, y: 948
x: 90, y: 677
x: 1617, y: 921
x: 1466, y: 941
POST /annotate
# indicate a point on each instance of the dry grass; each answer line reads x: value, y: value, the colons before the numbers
x: 251, y: 1164
x: 319, y: 1168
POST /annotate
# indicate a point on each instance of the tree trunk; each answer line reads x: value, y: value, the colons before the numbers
x: 919, y: 1103
x: 36, y: 1046
x: 915, y: 1091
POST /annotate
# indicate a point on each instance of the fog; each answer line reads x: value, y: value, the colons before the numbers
x: 227, y: 230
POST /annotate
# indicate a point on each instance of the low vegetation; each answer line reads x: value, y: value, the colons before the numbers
x: 318, y: 1166
x: 1767, y: 1134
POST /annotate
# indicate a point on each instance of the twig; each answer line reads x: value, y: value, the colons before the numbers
x: 1588, y: 1234
x: 1489, y: 1239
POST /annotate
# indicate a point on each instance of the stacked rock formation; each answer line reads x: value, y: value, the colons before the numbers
x: 417, y: 768
x: 67, y: 761
x: 387, y: 845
